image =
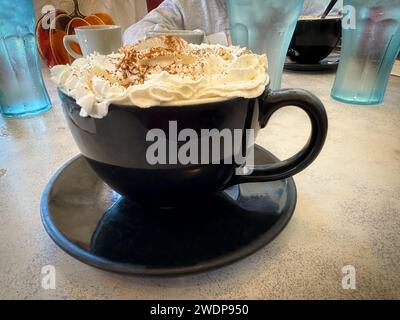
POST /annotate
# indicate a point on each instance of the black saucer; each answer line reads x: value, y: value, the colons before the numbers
x: 331, y: 63
x: 95, y: 225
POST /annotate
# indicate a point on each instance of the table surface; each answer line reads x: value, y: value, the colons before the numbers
x: 348, y: 212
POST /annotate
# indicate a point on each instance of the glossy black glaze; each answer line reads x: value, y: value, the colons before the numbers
x: 92, y: 223
x: 314, y: 40
x: 116, y: 145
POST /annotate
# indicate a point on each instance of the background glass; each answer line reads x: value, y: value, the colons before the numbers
x: 22, y: 91
x: 265, y: 26
x: 368, y: 51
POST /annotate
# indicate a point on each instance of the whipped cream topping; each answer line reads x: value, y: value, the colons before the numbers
x: 162, y: 71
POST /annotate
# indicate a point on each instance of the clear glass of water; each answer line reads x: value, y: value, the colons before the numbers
x: 368, y: 51
x: 265, y: 26
x: 22, y: 91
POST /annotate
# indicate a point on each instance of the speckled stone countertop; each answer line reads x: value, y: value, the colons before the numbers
x: 348, y: 213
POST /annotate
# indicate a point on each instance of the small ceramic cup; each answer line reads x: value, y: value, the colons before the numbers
x: 191, y: 36
x: 104, y: 39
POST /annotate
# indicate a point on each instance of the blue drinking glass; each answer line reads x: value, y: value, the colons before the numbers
x: 22, y: 91
x: 370, y: 45
x: 265, y: 26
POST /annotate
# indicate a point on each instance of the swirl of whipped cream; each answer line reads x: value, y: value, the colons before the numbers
x: 163, y: 71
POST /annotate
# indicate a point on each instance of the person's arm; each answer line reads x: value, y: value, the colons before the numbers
x: 167, y: 16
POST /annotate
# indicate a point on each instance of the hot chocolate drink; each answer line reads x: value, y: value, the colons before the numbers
x: 121, y: 109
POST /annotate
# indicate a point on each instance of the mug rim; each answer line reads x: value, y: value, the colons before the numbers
x: 317, y: 18
x: 103, y: 27
x: 182, y: 104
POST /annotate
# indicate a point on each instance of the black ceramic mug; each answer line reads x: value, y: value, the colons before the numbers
x: 314, y: 39
x: 116, y: 145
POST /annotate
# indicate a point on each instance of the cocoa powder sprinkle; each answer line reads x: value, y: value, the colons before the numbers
x: 166, y: 53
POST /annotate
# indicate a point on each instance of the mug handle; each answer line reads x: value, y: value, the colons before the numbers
x: 270, y: 102
x: 67, y: 40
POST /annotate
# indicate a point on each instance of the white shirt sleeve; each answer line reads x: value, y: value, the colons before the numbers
x: 167, y: 16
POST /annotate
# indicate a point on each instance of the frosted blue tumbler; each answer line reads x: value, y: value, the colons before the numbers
x: 265, y: 26
x: 370, y: 45
x: 22, y: 91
